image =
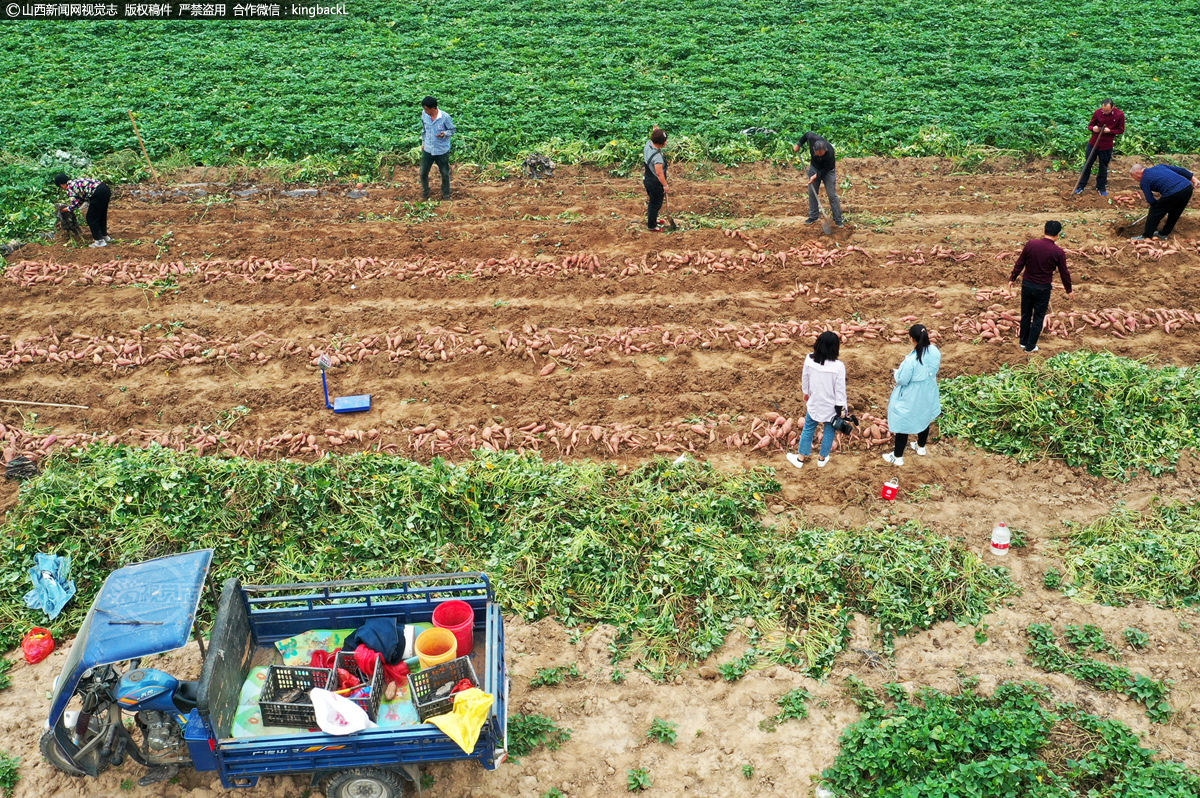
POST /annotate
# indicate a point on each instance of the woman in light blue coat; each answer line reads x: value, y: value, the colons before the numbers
x: 915, y: 402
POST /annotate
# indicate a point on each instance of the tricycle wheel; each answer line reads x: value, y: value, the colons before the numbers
x: 364, y: 783
x: 55, y: 756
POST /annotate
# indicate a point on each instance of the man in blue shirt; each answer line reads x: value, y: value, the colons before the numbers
x: 435, y: 145
x: 1174, y: 185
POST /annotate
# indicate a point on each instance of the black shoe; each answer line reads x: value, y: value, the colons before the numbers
x: 810, y: 221
x: 445, y: 197
x: 1163, y: 236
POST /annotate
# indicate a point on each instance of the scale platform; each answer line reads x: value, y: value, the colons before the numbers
x: 351, y: 404
x: 344, y: 404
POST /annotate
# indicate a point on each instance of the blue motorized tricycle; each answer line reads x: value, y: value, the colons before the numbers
x: 106, y: 707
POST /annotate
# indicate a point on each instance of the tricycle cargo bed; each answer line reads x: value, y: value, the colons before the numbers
x: 251, y: 618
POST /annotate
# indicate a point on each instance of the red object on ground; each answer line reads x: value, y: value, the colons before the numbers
x: 457, y: 617
x: 37, y: 645
x: 321, y: 659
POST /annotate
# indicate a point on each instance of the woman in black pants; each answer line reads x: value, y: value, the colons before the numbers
x: 96, y: 194
x: 655, y: 178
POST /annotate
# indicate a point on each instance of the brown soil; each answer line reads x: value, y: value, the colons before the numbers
x: 688, y: 341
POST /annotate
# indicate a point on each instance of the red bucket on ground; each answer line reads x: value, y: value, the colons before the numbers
x: 457, y: 617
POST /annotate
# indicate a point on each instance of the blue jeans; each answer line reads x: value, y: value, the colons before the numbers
x: 806, y: 437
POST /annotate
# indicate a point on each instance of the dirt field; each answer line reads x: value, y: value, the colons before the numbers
x: 542, y: 314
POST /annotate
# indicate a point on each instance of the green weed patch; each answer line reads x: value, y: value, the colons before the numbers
x: 672, y: 554
x: 1111, y: 415
x: 1016, y: 742
x: 1127, y: 555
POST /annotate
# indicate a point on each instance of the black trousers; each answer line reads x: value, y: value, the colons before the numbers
x: 902, y: 441
x: 1171, y: 207
x: 443, y: 165
x: 97, y: 212
x: 655, y: 193
x: 1102, y: 159
x: 1035, y: 300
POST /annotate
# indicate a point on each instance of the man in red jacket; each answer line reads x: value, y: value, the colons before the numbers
x: 1107, y: 123
x: 1040, y: 258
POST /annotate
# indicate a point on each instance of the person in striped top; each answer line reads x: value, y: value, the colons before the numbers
x: 96, y: 194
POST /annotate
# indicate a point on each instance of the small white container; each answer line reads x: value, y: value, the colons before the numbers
x: 1001, y: 539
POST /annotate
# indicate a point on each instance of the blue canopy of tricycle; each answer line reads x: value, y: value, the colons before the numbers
x: 143, y: 609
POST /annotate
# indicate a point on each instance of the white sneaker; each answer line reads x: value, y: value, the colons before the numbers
x: 1031, y: 351
x: 893, y: 459
x: 795, y: 460
x: 108, y: 239
x: 822, y: 462
x: 100, y: 243
x: 920, y: 449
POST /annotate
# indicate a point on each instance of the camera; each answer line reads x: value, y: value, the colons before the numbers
x: 845, y: 424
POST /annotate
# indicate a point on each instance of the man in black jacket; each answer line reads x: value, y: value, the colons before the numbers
x: 822, y: 168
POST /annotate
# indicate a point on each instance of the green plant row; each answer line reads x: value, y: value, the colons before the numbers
x: 671, y: 553
x: 918, y: 77
x: 1049, y: 656
x: 1111, y: 415
x: 1127, y: 555
x: 1016, y: 742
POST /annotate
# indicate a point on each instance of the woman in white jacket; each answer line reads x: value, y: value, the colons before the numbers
x: 824, y: 384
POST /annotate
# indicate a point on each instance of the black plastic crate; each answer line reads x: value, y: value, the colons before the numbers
x: 423, y: 686
x: 280, y: 680
x: 370, y: 703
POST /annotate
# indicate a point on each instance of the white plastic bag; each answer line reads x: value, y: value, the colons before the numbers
x: 337, y: 714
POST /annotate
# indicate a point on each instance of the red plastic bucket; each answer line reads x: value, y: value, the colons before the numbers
x: 890, y: 490
x: 457, y: 617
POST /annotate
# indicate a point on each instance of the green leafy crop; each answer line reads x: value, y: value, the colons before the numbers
x: 1048, y: 655
x: 1016, y: 742
x: 672, y: 554
x: 1111, y: 415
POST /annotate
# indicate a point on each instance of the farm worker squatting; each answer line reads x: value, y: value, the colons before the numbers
x: 823, y: 381
x: 655, y: 178
x: 915, y: 401
x: 96, y: 194
x: 1039, y: 259
x: 438, y: 127
x: 822, y: 168
x: 1107, y: 123
x: 1174, y: 185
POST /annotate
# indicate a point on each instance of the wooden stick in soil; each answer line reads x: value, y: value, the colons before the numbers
x: 42, y: 404
x: 139, y: 138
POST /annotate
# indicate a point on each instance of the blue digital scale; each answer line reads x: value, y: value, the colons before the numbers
x: 342, y: 404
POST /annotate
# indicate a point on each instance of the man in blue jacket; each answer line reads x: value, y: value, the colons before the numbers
x: 1174, y: 185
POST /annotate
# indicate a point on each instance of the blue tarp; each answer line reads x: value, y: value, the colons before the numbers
x: 52, y: 584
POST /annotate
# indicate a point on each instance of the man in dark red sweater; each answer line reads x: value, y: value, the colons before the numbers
x: 1040, y: 258
x: 1107, y: 123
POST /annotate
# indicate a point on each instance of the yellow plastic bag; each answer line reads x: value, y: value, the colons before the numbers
x: 465, y: 721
